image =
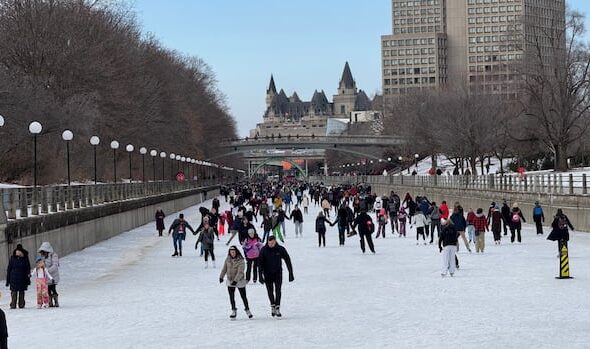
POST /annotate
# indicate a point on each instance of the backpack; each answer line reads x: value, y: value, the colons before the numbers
x: 538, y: 211
x: 562, y: 223
x: 515, y: 217
x: 370, y: 226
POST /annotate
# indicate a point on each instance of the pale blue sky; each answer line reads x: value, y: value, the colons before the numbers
x: 304, y: 43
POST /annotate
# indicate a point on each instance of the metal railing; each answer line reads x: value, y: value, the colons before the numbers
x: 29, y: 201
x: 550, y: 183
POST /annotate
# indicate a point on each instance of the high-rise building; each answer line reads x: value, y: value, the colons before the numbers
x: 479, y: 42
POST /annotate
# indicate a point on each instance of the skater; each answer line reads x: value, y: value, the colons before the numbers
x: 382, y: 221
x: 18, y: 276
x: 460, y: 224
x: 366, y: 227
x: 495, y: 220
x: 447, y: 245
x: 207, y: 240
x: 252, y: 247
x: 271, y: 272
x: 444, y: 210
x: 480, y: 224
x: 305, y: 203
x: 297, y: 217
x: 393, y: 207
x: 234, y: 269
x: 516, y: 220
x: 320, y: 228
x: 538, y: 217
x: 42, y: 279
x: 178, y: 229
x: 470, y: 226
x: 420, y: 221
x: 51, y: 262
x: 160, y: 221
x: 402, y: 217
x: 560, y: 232
x: 505, y: 216
x: 435, y: 216
x: 282, y: 215
x: 326, y: 207
x: 266, y: 226
x: 343, y: 223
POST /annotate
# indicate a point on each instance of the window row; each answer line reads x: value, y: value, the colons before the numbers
x: 422, y: 29
x: 409, y: 61
x: 409, y: 52
x: 415, y: 3
x: 494, y: 29
x: 409, y: 42
x: 421, y: 20
x: 410, y: 71
x: 494, y: 9
x: 410, y: 81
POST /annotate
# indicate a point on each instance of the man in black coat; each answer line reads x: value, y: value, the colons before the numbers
x: 505, y: 216
x: 366, y: 227
x: 271, y: 272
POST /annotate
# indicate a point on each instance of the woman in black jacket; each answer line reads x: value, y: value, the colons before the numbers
x: 560, y: 232
x: 160, y: 227
x: 320, y: 228
x: 17, y: 276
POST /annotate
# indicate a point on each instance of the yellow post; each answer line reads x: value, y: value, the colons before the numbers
x: 564, y: 263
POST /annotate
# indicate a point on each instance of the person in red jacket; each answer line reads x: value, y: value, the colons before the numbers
x: 480, y: 223
x: 444, y: 210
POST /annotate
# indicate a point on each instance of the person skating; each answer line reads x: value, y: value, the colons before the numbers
x: 447, y: 244
x: 266, y: 226
x: 495, y: 220
x: 420, y: 221
x: 42, y: 280
x: 402, y: 218
x: 366, y: 227
x: 505, y: 217
x: 178, y: 230
x: 271, y: 272
x: 480, y: 224
x: 320, y: 228
x: 51, y: 261
x: 18, y: 276
x: 516, y: 220
x: 435, y: 216
x: 282, y: 216
x: 460, y: 224
x: 444, y: 210
x: 393, y: 207
x: 560, y: 231
x: 343, y: 223
x: 252, y: 247
x: 233, y: 268
x: 207, y: 240
x: 382, y: 222
x: 538, y: 217
x: 470, y: 226
x: 297, y: 217
x: 160, y: 227
x: 305, y: 204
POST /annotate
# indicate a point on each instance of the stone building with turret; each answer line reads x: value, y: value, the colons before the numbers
x: 291, y: 116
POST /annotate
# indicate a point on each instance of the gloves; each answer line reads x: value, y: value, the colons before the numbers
x: 291, y: 278
x: 220, y: 280
x: 234, y: 283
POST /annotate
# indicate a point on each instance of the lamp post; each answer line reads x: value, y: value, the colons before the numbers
x: 178, y: 157
x: 1, y: 121
x: 416, y: 156
x: 35, y: 128
x: 67, y: 136
x: 163, y: 156
x: 153, y: 154
x: 130, y: 149
x: 94, y: 141
x: 143, y: 151
x: 172, y: 157
x: 183, y: 164
x: 115, y: 146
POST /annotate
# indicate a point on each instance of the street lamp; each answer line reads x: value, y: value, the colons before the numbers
x: 130, y: 149
x: 153, y: 154
x: 67, y: 136
x: 1, y: 121
x: 35, y: 128
x: 115, y: 146
x: 163, y: 156
x: 178, y: 157
x: 172, y: 157
x: 94, y: 141
x: 416, y: 156
x: 143, y: 151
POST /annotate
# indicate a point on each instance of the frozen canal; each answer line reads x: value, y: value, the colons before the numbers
x: 128, y: 292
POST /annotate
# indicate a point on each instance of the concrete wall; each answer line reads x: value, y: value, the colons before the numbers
x: 74, y: 230
x: 576, y: 207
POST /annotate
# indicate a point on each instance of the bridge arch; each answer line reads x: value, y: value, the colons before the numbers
x: 302, y: 171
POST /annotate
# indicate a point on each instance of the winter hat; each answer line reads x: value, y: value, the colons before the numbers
x: 271, y: 238
x: 493, y: 204
x: 480, y: 210
x: 515, y: 205
x: 38, y: 259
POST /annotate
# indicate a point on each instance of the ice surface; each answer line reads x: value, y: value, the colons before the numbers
x: 128, y: 292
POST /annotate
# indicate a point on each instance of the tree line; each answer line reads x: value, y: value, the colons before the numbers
x: 86, y: 66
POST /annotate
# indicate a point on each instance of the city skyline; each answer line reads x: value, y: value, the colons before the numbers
x: 302, y: 57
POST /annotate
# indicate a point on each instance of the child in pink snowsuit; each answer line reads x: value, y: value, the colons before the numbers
x: 42, y: 278
x: 252, y: 247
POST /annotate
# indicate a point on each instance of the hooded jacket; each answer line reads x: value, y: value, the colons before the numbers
x: 234, y: 269
x: 51, y: 262
x: 17, y: 274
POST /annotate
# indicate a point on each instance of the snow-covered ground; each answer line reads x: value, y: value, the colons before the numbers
x: 445, y: 165
x: 128, y: 292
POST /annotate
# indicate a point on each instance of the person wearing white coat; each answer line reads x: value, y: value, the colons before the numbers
x: 51, y: 260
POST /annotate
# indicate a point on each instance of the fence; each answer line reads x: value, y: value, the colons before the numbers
x: 29, y: 201
x: 569, y: 183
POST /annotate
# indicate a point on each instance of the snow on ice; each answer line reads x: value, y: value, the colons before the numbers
x: 128, y: 292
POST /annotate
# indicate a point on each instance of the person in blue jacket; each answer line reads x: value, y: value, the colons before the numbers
x: 538, y: 217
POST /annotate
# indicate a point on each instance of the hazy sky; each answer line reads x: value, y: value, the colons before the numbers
x: 304, y: 43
